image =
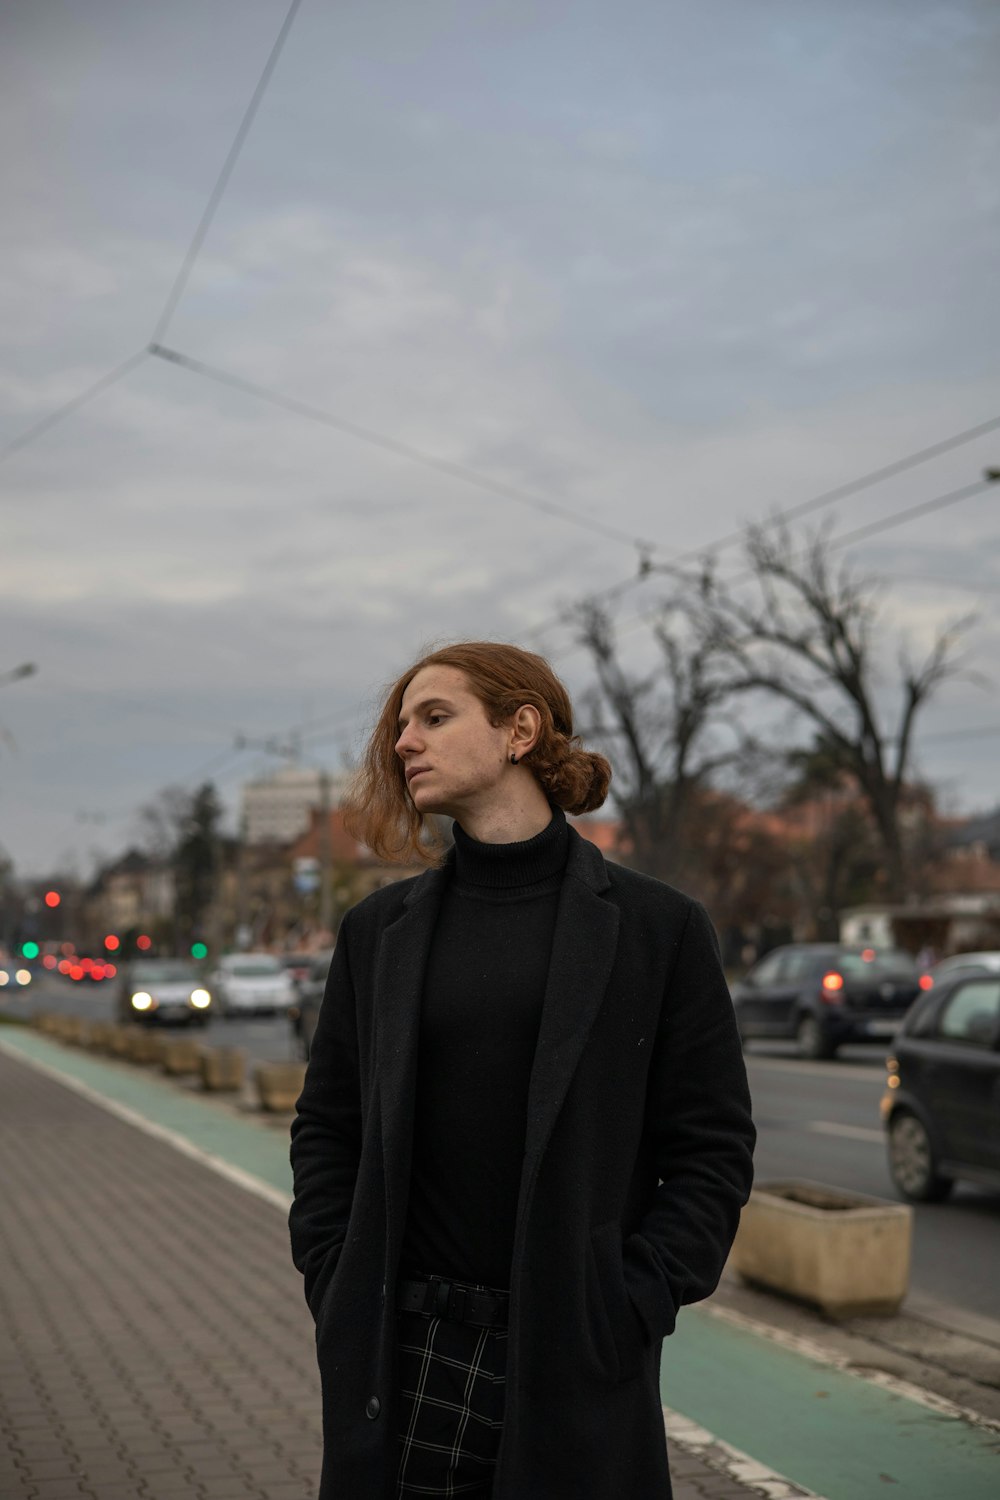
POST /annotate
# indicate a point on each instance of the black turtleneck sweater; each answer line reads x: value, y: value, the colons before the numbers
x: 480, y: 1013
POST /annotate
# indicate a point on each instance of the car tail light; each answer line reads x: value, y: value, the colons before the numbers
x: 926, y: 981
x: 832, y: 987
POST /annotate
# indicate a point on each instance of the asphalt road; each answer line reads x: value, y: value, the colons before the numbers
x: 815, y: 1120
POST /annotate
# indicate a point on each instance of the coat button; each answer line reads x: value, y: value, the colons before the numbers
x: 373, y: 1408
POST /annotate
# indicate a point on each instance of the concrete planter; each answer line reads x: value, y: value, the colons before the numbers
x: 118, y: 1041
x: 181, y: 1056
x: 846, y: 1252
x: 144, y: 1047
x: 223, y: 1069
x: 279, y: 1085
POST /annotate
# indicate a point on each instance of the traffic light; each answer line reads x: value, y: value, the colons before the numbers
x: 199, y: 950
x: 53, y: 898
x: 29, y: 950
x: 143, y: 942
x: 112, y: 943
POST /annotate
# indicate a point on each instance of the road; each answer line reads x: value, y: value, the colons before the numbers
x: 815, y: 1120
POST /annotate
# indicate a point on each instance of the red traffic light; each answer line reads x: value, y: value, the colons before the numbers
x: 52, y: 898
x: 143, y: 943
x: 112, y: 943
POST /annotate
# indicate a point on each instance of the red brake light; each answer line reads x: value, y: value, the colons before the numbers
x: 868, y: 954
x: 833, y: 983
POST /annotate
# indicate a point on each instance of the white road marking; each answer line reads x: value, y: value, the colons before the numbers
x: 732, y: 1461
x: 852, y: 1132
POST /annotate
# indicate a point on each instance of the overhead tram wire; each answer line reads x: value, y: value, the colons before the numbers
x: 847, y: 538
x: 68, y: 407
x: 392, y: 445
x: 222, y: 181
x: 828, y: 497
x: 187, y: 265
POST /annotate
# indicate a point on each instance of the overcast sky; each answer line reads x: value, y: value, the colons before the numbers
x: 665, y: 265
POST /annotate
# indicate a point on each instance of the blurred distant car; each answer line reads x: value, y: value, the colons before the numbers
x: 14, y: 975
x: 824, y: 994
x: 941, y: 1109
x: 305, y: 1012
x: 162, y: 990
x: 297, y: 966
x: 252, y: 984
x: 959, y: 964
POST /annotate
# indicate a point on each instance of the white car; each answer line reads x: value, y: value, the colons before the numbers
x: 251, y: 983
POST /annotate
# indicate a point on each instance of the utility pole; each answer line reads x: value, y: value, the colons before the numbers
x: 325, y: 855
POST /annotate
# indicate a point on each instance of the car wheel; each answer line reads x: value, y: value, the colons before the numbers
x: 912, y: 1163
x: 812, y: 1040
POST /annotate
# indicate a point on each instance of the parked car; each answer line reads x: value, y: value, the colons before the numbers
x: 960, y: 963
x: 163, y: 990
x: 305, y: 1012
x: 941, y: 1108
x: 825, y: 994
x: 252, y: 984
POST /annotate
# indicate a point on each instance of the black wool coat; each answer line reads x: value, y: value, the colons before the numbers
x: 636, y: 1164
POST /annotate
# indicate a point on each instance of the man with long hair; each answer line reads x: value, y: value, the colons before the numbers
x: 524, y: 1137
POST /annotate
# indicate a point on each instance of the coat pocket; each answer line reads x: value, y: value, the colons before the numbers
x: 615, y: 1330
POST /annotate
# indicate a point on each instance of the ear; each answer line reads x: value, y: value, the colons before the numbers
x: 525, y: 728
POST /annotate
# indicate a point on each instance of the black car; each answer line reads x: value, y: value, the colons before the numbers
x: 941, y: 1109
x: 305, y: 1012
x: 825, y: 994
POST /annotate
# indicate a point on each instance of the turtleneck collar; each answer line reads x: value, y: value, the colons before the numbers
x: 512, y: 867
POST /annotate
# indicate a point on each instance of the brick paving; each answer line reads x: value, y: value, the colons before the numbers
x: 154, y: 1344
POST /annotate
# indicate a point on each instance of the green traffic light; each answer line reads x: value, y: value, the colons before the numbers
x: 198, y: 950
x: 29, y: 950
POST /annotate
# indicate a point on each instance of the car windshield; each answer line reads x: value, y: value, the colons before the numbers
x: 256, y: 968
x: 167, y: 971
x: 874, y: 963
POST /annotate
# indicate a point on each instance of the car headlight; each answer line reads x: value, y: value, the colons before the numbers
x: 201, y: 998
x: 142, y: 1001
x: 23, y: 976
x: 4, y: 977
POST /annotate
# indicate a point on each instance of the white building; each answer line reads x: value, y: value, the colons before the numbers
x: 276, y: 808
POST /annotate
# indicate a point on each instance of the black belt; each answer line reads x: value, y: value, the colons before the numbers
x: 455, y: 1301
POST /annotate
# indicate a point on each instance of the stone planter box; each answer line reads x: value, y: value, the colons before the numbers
x: 181, y: 1056
x: 99, y: 1036
x: 118, y: 1041
x: 279, y: 1085
x: 846, y: 1252
x: 144, y: 1047
x: 223, y: 1069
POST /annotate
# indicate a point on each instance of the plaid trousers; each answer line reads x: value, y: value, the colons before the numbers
x: 451, y: 1385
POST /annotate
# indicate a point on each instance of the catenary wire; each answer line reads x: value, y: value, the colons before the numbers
x: 828, y: 497
x: 844, y: 539
x: 68, y: 407
x: 222, y: 181
x: 392, y: 445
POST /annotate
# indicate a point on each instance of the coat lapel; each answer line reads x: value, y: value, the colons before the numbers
x: 583, y: 953
x: 399, y: 979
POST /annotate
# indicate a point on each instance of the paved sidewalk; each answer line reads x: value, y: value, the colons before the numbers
x: 154, y: 1344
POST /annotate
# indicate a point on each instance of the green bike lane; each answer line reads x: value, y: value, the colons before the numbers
x: 833, y: 1432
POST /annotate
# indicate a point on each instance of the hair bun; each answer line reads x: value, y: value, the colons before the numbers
x: 575, y: 779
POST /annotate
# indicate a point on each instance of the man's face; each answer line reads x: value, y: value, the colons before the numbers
x: 453, y: 756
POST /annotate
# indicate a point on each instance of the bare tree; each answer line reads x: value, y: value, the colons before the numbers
x: 665, y: 727
x: 807, y: 633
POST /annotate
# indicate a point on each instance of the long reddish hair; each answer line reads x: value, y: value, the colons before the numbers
x: 379, y: 811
